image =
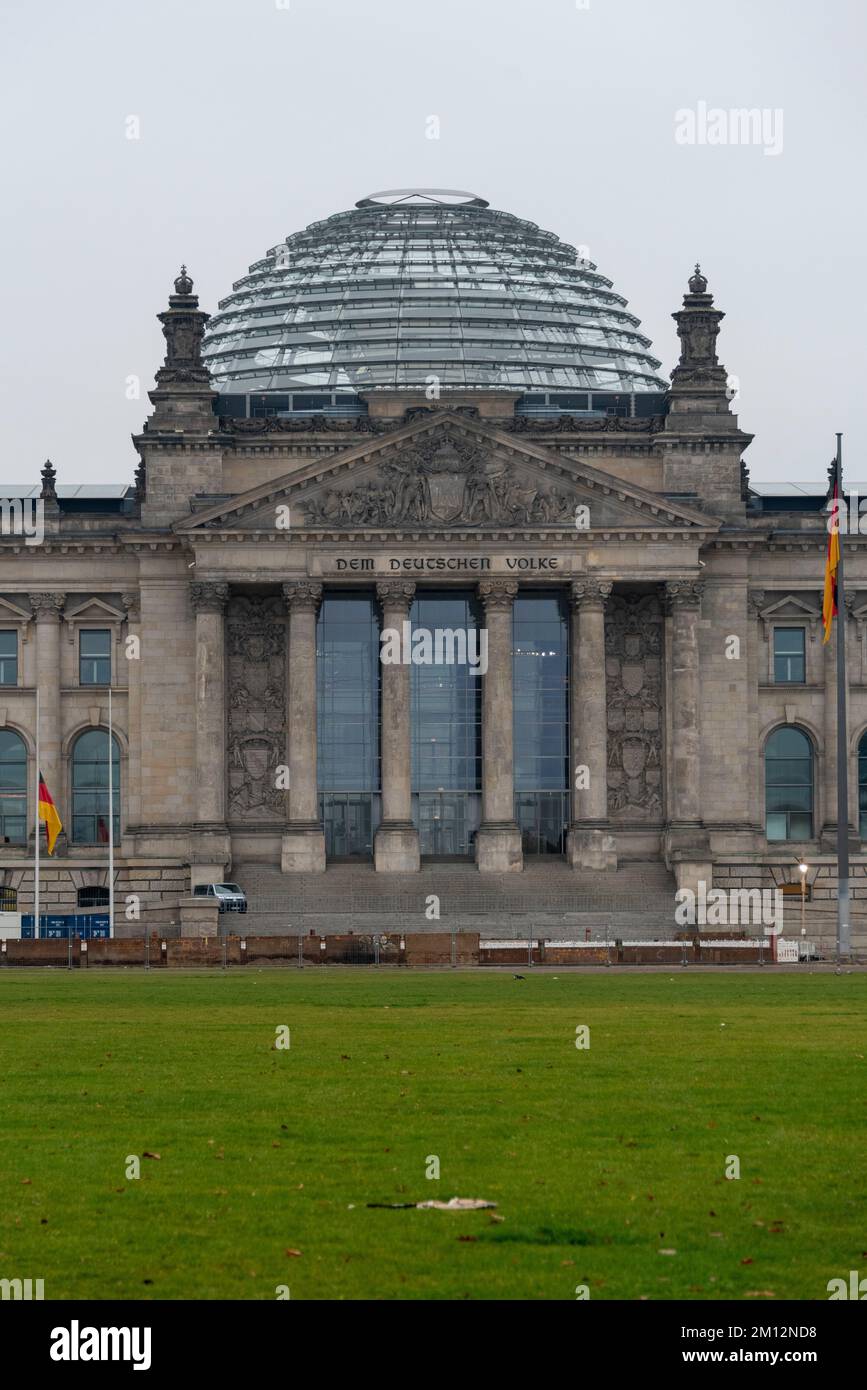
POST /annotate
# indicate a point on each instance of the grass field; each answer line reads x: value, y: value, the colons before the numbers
x: 599, y: 1159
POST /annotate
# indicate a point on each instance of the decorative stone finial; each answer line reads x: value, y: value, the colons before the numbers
x: 183, y: 284
x: 49, y: 480
x: 140, y: 481
x: 698, y: 282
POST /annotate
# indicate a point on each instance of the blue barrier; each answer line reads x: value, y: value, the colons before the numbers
x: 89, y: 926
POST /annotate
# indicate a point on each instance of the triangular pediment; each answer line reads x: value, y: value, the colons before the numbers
x: 789, y: 606
x: 447, y: 473
x: 93, y: 609
x: 12, y: 612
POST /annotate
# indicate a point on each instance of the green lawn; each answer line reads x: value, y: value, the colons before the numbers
x: 598, y: 1159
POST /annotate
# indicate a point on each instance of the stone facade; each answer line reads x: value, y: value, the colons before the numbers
x: 210, y: 583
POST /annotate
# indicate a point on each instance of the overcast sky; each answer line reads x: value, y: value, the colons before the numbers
x: 258, y: 116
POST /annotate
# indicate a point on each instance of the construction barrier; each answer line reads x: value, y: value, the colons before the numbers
x: 420, y: 949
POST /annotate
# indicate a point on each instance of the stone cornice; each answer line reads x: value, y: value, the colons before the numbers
x: 585, y: 539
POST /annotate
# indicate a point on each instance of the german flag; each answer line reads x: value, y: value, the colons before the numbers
x: 48, y: 815
x: 829, y: 600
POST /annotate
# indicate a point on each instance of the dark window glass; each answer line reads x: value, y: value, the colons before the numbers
x: 9, y: 658
x: 93, y: 897
x: 540, y: 666
x: 570, y: 402
x: 310, y: 402
x: 13, y: 788
x: 790, y: 661
x: 447, y: 724
x: 612, y: 405
x: 789, y: 785
x: 649, y: 403
x: 231, y: 407
x: 90, y: 788
x: 94, y: 657
x: 862, y: 785
x: 348, y: 692
x: 263, y: 406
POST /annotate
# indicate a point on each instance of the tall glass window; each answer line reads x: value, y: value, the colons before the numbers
x: 862, y: 785
x: 90, y: 788
x: 94, y: 657
x: 13, y: 788
x: 446, y: 725
x: 790, y: 661
x: 348, y: 688
x: 541, y: 703
x: 789, y: 785
x: 9, y: 658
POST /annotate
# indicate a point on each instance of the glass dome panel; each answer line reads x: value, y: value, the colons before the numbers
x: 413, y: 282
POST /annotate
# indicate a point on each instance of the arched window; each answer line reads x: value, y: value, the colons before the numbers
x: 90, y: 788
x: 862, y: 785
x: 789, y: 785
x: 13, y: 789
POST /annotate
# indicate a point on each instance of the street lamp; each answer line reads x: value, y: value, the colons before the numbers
x: 802, y: 869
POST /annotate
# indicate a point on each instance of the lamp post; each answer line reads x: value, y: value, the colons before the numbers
x: 802, y: 869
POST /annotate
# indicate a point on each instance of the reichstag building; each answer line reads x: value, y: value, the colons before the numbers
x: 427, y: 418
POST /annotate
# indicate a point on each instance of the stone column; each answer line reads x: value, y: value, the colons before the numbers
x: 47, y: 610
x: 304, y: 839
x: 396, y: 845
x: 686, y: 839
x: 209, y: 605
x: 589, y: 844
x: 498, y: 839
x: 132, y: 604
x: 210, y: 849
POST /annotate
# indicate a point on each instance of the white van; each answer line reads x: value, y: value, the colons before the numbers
x: 230, y: 897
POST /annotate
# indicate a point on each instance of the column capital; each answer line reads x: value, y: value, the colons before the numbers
x: 209, y: 597
x: 396, y: 594
x: 755, y: 602
x: 132, y: 604
x: 498, y: 595
x: 590, y: 593
x: 47, y: 608
x: 683, y: 593
x: 301, y: 596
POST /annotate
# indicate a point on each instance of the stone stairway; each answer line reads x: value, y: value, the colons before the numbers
x: 548, y: 899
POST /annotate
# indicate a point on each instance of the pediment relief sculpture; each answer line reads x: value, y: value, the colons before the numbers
x: 443, y: 483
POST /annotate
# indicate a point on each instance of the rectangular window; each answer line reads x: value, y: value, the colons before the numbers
x: 94, y: 657
x: 9, y: 658
x: 790, y: 655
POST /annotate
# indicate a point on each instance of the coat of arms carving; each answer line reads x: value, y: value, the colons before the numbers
x: 446, y: 482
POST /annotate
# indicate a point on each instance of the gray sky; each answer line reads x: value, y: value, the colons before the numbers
x: 259, y: 116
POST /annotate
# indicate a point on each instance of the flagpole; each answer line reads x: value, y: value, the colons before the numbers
x: 843, y: 936
x: 110, y: 825
x: 36, y: 842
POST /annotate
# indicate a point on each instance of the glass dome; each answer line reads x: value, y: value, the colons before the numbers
x: 418, y: 284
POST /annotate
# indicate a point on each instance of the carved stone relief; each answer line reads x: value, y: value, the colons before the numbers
x: 633, y: 666
x: 442, y: 483
x: 256, y: 713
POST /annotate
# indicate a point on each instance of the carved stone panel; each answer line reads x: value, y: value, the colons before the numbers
x: 633, y: 667
x: 445, y: 482
x: 256, y: 715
